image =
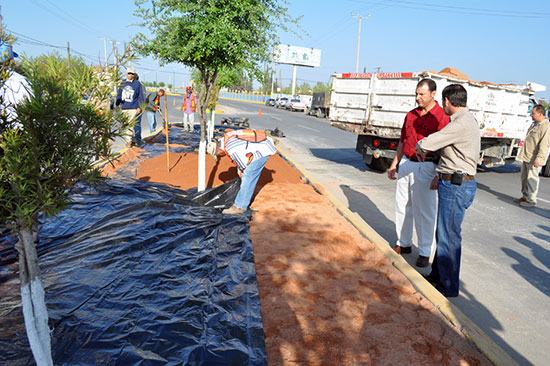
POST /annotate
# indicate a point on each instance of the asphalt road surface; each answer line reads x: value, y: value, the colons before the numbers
x: 505, y: 274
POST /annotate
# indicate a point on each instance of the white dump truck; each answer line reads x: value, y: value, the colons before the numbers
x: 374, y: 107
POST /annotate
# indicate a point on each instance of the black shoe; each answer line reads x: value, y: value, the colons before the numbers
x: 422, y: 261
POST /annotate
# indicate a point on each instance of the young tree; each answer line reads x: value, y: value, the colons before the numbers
x: 50, y: 146
x: 209, y: 35
x: 305, y: 88
x: 321, y: 87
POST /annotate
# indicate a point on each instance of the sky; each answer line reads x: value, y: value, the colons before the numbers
x: 501, y: 41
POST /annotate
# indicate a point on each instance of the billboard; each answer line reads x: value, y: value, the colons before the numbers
x: 285, y: 54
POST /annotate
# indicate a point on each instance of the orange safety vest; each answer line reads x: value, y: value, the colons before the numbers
x: 193, y: 103
x: 157, y: 103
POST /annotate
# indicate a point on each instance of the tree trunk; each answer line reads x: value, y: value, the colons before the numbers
x: 208, y: 82
x: 33, y: 298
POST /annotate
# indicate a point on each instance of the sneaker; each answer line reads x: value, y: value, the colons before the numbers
x: 422, y: 261
x: 519, y: 200
x: 527, y: 204
x: 233, y: 210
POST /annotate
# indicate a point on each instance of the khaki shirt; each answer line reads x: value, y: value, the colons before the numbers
x: 537, y: 144
x: 459, y: 144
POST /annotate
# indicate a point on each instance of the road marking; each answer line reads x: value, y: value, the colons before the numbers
x: 277, y: 118
x: 543, y: 200
x: 309, y: 128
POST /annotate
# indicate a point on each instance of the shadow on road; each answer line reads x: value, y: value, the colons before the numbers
x: 478, y: 313
x: 544, y: 212
x: 369, y: 212
x: 341, y: 156
x: 534, y: 275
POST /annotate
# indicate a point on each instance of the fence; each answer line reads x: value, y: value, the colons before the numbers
x: 253, y: 97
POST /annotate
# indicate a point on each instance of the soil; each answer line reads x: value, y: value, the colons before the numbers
x: 328, y: 296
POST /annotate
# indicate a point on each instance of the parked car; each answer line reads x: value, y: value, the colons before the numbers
x: 280, y: 103
x: 295, y: 105
x: 270, y: 102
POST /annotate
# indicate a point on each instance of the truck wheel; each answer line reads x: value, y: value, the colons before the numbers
x: 546, y: 169
x: 379, y: 164
x: 320, y: 114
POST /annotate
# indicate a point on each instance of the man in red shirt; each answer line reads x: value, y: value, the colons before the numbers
x: 416, y: 195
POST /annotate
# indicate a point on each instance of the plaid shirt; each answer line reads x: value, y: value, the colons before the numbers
x: 244, y: 152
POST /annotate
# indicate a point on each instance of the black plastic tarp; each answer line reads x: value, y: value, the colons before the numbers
x: 138, y: 273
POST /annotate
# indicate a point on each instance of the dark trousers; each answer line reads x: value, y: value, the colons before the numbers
x: 453, y: 202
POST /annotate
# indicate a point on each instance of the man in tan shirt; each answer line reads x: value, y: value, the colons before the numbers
x: 459, y: 144
x: 533, y: 155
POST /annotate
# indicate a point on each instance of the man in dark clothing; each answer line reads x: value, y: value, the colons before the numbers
x: 130, y: 95
x: 153, y: 104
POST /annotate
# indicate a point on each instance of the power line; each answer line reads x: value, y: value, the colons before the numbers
x: 35, y: 42
x: 62, y: 14
x: 457, y: 9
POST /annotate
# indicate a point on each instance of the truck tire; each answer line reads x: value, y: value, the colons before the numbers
x: 320, y: 113
x: 546, y: 169
x: 380, y: 164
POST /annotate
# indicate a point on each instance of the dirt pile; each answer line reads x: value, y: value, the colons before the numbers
x: 184, y: 171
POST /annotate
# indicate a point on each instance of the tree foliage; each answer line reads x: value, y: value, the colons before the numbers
x: 210, y: 35
x: 322, y: 87
x: 58, y: 140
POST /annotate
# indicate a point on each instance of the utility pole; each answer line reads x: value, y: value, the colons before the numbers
x: 105, y: 49
x: 358, y: 38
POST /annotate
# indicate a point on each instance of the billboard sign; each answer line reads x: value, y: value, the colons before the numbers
x: 285, y: 54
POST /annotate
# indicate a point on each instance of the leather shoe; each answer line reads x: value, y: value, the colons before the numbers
x: 527, y: 204
x: 422, y: 261
x: 402, y: 250
x: 519, y: 200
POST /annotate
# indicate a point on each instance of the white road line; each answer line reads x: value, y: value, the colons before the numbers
x: 309, y: 128
x: 277, y: 118
x: 543, y: 200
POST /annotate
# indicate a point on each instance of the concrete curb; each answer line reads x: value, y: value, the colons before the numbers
x: 465, y: 325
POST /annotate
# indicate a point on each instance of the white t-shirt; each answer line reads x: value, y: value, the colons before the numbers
x: 14, y: 90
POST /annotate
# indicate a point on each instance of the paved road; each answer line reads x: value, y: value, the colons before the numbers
x: 505, y: 274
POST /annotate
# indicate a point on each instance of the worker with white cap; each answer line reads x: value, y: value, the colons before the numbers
x: 130, y: 95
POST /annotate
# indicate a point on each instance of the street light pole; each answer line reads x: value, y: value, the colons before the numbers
x: 358, y: 38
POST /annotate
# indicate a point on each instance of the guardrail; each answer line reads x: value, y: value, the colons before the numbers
x: 253, y: 97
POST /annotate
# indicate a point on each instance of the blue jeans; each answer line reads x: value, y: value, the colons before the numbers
x: 453, y: 202
x: 152, y: 118
x: 248, y: 182
x: 137, y: 129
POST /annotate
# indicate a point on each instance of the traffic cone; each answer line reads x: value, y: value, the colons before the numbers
x: 260, y: 113
x: 174, y: 101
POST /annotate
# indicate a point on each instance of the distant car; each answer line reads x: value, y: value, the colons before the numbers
x: 295, y: 105
x: 280, y: 103
x: 270, y: 102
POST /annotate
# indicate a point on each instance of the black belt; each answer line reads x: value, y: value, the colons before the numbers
x: 445, y: 176
x: 431, y: 158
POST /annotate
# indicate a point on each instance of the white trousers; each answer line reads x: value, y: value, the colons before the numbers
x: 416, y: 203
x: 188, y: 121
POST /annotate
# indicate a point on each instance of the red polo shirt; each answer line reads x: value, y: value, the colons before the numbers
x: 416, y: 127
